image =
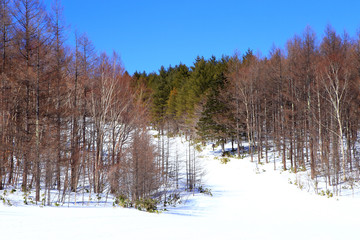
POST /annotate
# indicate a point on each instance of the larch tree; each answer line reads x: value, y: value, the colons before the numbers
x: 30, y: 19
x: 5, y: 124
x: 59, y: 65
x: 335, y: 77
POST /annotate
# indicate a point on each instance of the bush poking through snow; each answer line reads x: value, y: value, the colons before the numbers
x: 143, y: 204
x: 4, y: 199
x: 147, y: 204
x: 198, y: 148
x: 122, y: 201
x: 328, y: 193
x: 98, y: 197
x: 43, y: 200
x: 226, y: 154
x: 27, y: 198
x: 224, y: 160
x: 173, y: 200
x: 206, y: 191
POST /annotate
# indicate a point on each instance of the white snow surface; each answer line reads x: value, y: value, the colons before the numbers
x: 247, y: 203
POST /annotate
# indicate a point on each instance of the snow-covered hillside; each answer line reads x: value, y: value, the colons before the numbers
x: 248, y: 202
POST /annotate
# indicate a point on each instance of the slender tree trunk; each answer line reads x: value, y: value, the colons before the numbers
x: 37, y: 131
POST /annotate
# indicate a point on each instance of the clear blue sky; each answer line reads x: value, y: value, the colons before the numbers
x: 148, y: 34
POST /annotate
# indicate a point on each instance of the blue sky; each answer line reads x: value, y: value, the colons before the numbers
x: 149, y: 34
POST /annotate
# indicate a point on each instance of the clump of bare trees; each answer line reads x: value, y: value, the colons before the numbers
x: 71, y: 120
x: 306, y: 100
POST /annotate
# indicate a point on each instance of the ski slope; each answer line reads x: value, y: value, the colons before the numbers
x: 247, y: 203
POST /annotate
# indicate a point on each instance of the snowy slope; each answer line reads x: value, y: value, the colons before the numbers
x: 247, y: 204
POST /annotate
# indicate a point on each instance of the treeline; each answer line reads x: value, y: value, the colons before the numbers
x: 71, y: 120
x: 302, y: 102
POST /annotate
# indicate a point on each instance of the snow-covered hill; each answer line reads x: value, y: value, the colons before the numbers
x: 248, y: 202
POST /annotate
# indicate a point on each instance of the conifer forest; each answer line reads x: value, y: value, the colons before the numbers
x: 74, y: 121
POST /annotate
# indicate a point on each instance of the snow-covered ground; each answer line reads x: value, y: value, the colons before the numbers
x: 247, y: 203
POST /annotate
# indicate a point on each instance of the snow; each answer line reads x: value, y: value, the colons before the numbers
x: 248, y: 202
